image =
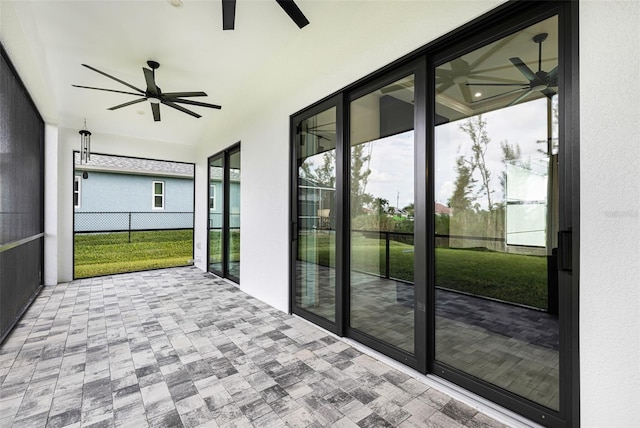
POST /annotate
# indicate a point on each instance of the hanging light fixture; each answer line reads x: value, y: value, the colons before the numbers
x: 85, y: 144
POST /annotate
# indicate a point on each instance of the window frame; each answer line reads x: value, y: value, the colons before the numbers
x: 212, y: 197
x: 154, y: 195
x: 225, y: 227
x: 77, y: 192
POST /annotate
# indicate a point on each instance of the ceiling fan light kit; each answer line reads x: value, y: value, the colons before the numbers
x: 153, y: 93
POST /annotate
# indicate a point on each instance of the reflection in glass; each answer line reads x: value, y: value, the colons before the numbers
x: 233, y: 222
x: 381, y: 211
x: 496, y: 213
x: 216, y: 201
x: 315, y: 264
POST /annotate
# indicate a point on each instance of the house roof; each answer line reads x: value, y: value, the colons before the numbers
x: 215, y: 174
x: 442, y: 209
x: 137, y: 166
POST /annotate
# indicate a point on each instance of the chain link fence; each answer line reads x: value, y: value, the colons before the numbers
x: 125, y: 221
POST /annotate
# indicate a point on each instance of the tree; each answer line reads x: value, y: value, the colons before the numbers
x: 360, y: 172
x: 324, y: 174
x: 410, y: 210
x: 476, y: 128
x: 380, y: 206
x: 461, y: 198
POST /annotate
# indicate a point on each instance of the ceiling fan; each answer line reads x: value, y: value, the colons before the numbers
x: 153, y: 93
x: 462, y: 70
x: 540, y: 81
x: 289, y: 6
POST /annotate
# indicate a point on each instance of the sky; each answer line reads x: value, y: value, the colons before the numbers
x: 392, y: 158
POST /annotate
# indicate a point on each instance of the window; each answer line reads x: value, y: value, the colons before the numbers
x: 158, y: 195
x: 212, y: 197
x: 76, y: 191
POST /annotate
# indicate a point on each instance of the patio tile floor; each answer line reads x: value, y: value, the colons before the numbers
x: 179, y: 347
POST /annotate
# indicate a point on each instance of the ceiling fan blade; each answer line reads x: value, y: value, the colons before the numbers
x: 139, y: 100
x: 106, y: 90
x: 553, y: 74
x: 475, y: 76
x: 440, y: 89
x: 497, y: 84
x: 177, y: 107
x: 500, y: 95
x: 183, y: 94
x: 519, y: 98
x: 114, y: 78
x: 228, y: 14
x: 155, y: 108
x: 195, y: 103
x: 466, y: 92
x: 294, y: 12
x: 491, y: 51
x: 151, y: 81
x: 526, y: 71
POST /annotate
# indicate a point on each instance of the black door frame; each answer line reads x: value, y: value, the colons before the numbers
x: 416, y: 360
x: 225, y: 234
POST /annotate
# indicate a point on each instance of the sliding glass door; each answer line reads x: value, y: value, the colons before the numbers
x: 224, y: 214
x: 432, y: 211
x: 496, y: 217
x: 315, y: 218
x: 381, y: 215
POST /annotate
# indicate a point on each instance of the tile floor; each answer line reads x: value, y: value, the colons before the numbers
x: 178, y: 347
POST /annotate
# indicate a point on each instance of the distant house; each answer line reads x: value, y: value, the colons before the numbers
x: 442, y: 209
x: 113, y: 193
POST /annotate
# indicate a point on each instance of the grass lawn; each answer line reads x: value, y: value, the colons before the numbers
x: 215, y: 246
x: 109, y: 253
x: 509, y: 277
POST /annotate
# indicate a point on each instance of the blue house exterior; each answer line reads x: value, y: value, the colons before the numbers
x: 216, y: 198
x: 116, y: 193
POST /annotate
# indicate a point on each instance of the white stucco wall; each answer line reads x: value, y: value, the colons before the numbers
x: 610, y: 213
x: 50, y: 275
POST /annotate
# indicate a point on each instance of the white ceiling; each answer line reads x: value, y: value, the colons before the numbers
x: 265, y: 58
x: 118, y: 37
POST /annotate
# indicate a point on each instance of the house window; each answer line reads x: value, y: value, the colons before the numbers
x: 212, y: 197
x: 158, y: 195
x: 76, y: 191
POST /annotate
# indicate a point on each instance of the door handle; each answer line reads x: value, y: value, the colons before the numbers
x: 565, y: 250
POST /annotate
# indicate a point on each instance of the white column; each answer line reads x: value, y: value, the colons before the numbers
x: 50, y: 205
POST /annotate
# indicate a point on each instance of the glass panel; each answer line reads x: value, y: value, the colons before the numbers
x: 381, y: 210
x: 315, y: 263
x: 496, y: 213
x: 157, y: 201
x: 157, y: 188
x: 233, y: 256
x: 216, y: 176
